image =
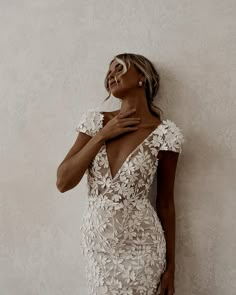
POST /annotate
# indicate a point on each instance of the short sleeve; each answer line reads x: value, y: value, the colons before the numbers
x: 174, y: 138
x: 89, y: 122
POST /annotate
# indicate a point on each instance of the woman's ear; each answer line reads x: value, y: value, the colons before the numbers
x: 142, y: 77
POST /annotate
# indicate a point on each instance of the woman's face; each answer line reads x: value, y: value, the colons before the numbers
x: 124, y: 84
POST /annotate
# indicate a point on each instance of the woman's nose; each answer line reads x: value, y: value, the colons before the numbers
x: 111, y: 75
x: 111, y: 78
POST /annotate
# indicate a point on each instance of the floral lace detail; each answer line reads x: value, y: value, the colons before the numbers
x: 174, y: 138
x: 89, y: 122
x: 122, y: 237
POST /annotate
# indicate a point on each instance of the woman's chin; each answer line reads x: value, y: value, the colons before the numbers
x: 116, y: 93
x: 117, y: 96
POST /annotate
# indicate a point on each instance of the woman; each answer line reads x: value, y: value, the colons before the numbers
x: 129, y: 246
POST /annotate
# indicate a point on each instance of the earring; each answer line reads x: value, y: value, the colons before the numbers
x: 140, y: 83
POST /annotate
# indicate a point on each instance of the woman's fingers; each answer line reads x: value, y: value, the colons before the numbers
x: 128, y: 122
x: 121, y: 123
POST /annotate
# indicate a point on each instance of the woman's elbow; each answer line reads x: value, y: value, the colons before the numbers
x: 64, y: 185
x: 60, y: 186
x: 60, y: 183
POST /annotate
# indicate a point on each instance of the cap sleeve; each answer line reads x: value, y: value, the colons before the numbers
x: 174, y: 138
x: 89, y: 122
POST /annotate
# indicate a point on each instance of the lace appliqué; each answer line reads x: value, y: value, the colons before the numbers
x: 174, y: 138
x: 89, y: 122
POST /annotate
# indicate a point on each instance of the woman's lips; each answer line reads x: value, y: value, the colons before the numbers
x: 113, y: 83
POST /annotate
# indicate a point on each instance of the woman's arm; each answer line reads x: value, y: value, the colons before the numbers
x: 165, y: 202
x: 76, y: 162
x: 73, y: 167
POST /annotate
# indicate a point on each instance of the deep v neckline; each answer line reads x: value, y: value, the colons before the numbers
x: 130, y: 154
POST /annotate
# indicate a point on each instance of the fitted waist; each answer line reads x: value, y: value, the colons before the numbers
x: 102, y: 202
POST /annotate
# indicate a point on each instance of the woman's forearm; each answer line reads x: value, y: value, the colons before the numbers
x: 167, y: 218
x: 70, y: 172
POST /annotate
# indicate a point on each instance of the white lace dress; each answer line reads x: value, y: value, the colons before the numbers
x: 122, y: 237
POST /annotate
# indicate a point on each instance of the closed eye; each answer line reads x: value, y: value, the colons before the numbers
x: 116, y: 66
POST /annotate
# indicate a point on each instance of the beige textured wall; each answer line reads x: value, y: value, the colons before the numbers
x: 53, y: 56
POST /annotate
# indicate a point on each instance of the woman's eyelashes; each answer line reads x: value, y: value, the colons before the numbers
x: 118, y: 68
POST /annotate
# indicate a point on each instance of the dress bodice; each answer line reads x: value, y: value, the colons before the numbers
x: 133, y: 180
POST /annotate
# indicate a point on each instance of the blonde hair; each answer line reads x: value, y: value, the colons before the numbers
x: 147, y: 69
